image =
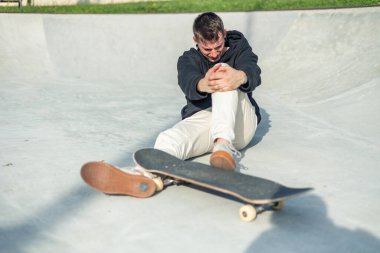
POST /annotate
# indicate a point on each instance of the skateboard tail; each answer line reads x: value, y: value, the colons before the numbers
x: 108, y: 179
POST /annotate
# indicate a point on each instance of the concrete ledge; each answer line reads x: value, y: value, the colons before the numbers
x: 11, y: 2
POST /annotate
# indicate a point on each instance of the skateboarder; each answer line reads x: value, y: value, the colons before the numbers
x: 217, y: 80
x: 220, y: 116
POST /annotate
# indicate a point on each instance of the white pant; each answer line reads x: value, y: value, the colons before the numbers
x: 232, y: 118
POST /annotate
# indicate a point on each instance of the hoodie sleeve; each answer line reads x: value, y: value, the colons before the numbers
x: 247, y: 62
x: 189, y: 74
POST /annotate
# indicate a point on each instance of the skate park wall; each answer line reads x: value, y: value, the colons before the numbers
x: 311, y: 60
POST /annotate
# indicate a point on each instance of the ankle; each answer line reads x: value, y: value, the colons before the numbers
x: 221, y: 140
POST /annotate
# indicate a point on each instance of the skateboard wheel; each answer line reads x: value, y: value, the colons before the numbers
x: 279, y: 205
x: 247, y: 213
x: 159, y: 183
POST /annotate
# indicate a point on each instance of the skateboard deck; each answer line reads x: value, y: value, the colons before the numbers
x: 249, y: 189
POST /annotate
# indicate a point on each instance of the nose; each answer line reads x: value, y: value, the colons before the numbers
x: 214, y: 54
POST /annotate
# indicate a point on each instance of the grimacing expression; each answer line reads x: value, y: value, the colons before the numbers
x: 212, y: 50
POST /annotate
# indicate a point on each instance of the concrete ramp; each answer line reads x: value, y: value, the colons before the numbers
x: 75, y: 88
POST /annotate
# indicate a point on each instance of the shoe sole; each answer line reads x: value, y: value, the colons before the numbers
x: 106, y: 178
x: 222, y: 160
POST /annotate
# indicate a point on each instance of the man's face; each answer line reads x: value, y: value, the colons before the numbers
x: 212, y: 50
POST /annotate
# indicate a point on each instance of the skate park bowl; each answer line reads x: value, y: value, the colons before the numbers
x: 78, y: 88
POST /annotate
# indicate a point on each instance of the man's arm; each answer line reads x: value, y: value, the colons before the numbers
x: 189, y: 76
x: 247, y: 62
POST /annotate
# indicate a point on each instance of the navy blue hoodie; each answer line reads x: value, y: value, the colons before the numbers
x: 192, y: 66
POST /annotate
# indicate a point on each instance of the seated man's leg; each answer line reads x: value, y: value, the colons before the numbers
x: 224, y: 110
x: 188, y: 138
x: 246, y: 122
x: 234, y: 123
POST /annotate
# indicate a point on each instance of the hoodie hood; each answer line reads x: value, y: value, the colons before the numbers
x: 235, y: 41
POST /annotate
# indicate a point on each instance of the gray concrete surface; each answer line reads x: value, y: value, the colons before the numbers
x: 75, y: 88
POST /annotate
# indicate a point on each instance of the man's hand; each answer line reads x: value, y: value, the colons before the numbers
x: 204, y: 85
x: 222, y: 78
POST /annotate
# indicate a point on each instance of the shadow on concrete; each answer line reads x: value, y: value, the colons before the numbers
x: 307, y: 228
x: 262, y: 129
x: 42, y: 222
x: 17, y: 238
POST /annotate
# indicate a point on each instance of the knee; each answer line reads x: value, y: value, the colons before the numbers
x: 168, y: 143
x: 225, y: 94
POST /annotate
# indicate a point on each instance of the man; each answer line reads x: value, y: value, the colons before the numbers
x: 220, y: 116
x: 217, y: 79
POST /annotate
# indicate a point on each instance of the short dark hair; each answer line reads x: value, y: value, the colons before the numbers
x: 207, y: 26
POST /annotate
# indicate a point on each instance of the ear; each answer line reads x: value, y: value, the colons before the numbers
x: 195, y: 39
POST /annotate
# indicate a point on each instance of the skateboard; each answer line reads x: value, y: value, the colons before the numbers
x: 258, y: 194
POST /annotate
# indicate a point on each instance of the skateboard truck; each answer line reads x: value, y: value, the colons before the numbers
x: 249, y: 212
